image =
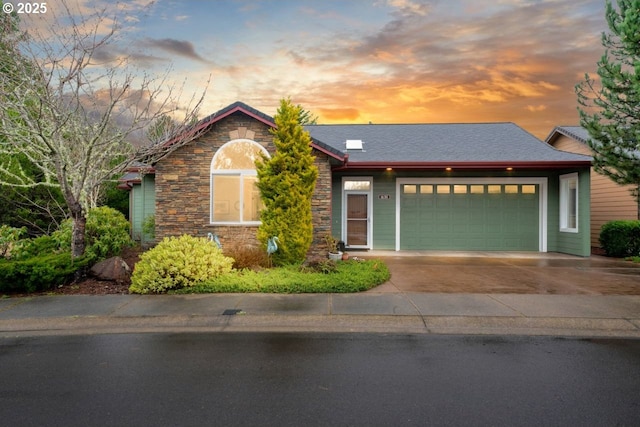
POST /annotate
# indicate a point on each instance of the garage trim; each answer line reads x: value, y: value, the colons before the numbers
x: 542, y: 183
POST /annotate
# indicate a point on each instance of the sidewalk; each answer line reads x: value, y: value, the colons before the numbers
x: 385, y: 312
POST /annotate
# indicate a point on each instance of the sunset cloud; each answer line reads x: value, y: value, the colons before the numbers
x: 382, y: 60
x: 181, y: 48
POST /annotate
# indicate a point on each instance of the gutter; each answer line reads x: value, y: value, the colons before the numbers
x: 463, y: 165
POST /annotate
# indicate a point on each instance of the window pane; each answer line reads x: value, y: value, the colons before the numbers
x: 409, y: 189
x: 252, y: 201
x: 528, y: 189
x: 572, y: 208
x: 226, y: 198
x: 569, y: 203
x: 357, y: 185
x: 460, y: 189
x: 477, y: 189
x: 444, y: 189
x: 511, y: 189
x: 426, y: 189
x: 494, y: 189
x: 237, y: 155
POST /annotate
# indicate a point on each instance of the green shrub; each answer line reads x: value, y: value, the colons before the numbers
x: 39, y: 246
x: 621, y: 238
x: 347, y: 276
x: 106, y: 233
x: 9, y: 237
x: 39, y: 273
x: 325, y: 266
x: 178, y: 262
x: 149, y: 226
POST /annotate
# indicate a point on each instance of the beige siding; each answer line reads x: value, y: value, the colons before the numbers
x: 609, y: 201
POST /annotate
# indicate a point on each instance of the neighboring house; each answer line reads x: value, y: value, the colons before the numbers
x: 486, y: 186
x: 609, y: 201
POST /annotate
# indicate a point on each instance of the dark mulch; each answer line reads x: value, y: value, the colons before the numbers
x: 91, y: 286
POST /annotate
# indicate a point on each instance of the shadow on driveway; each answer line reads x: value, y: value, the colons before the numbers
x: 507, y: 273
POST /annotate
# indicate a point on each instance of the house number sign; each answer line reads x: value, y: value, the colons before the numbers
x: 384, y: 196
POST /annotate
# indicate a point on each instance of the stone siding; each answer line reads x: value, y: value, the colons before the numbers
x: 183, y: 183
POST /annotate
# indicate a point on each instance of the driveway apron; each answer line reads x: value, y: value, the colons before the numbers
x: 507, y: 273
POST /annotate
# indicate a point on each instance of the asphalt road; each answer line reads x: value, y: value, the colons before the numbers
x: 269, y: 379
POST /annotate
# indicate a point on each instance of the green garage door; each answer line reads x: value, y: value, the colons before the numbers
x: 476, y: 217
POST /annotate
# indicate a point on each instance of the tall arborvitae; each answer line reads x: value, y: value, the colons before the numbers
x: 286, y: 182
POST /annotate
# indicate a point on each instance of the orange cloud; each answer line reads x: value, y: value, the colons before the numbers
x: 536, y: 108
x: 339, y: 114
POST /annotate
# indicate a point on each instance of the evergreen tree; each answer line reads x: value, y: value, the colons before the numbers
x: 610, y: 110
x: 306, y: 117
x: 286, y: 182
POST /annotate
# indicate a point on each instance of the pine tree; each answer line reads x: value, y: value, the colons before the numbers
x: 610, y: 110
x: 286, y: 182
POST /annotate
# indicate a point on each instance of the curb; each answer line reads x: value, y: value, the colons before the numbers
x: 436, y: 325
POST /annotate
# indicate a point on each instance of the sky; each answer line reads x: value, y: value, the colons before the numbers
x: 379, y: 61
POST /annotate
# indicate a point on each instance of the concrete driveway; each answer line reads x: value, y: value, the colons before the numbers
x: 507, y: 273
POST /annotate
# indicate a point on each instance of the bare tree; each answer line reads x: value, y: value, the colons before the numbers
x: 72, y: 116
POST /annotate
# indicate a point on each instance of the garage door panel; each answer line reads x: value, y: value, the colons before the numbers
x: 460, y: 202
x: 471, y: 217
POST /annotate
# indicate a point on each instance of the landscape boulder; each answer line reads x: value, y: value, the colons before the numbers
x: 114, y: 269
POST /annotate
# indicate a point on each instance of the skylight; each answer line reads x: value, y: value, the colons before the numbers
x: 354, y: 144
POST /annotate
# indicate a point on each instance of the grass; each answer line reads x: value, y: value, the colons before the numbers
x: 346, y: 276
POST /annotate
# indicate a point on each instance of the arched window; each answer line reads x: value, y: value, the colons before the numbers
x: 234, y: 196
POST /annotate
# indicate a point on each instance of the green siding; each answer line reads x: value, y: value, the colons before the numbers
x: 143, y: 204
x: 568, y: 242
x: 384, y: 209
x: 384, y: 214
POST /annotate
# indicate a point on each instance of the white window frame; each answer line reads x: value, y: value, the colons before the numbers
x: 565, y: 180
x: 241, y: 173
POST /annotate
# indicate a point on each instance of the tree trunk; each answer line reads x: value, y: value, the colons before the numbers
x: 78, y: 230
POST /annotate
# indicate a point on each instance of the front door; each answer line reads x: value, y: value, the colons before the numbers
x: 357, y: 220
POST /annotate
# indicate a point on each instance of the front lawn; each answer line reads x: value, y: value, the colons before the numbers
x: 345, y: 276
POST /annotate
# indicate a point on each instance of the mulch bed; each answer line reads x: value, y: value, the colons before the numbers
x: 92, y: 286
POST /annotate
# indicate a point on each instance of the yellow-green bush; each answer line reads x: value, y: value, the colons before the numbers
x: 178, y: 262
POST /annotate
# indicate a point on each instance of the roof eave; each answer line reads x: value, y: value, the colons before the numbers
x: 466, y: 165
x: 147, y: 170
x: 561, y: 130
x: 328, y: 150
x: 225, y: 112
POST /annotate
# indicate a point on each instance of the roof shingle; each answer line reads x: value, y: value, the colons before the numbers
x: 425, y: 143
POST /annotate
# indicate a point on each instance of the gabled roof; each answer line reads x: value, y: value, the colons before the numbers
x: 243, y: 108
x: 470, y: 145
x: 576, y: 132
x: 233, y: 108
